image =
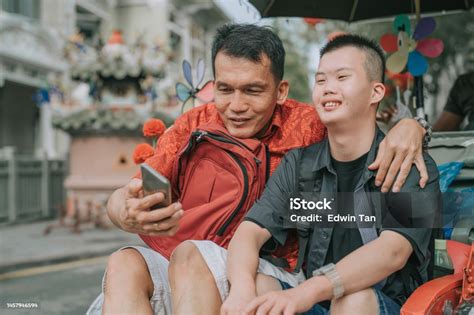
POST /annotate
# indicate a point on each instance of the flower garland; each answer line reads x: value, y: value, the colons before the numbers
x: 153, y: 128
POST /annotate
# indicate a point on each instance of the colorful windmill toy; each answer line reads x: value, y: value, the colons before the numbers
x: 409, y: 50
x: 187, y: 94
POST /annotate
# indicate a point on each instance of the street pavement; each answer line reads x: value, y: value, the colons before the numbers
x: 62, y: 289
x: 25, y: 245
x: 58, y: 273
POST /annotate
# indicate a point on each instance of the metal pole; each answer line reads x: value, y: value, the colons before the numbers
x: 12, y: 174
x: 45, y: 186
x: 420, y: 107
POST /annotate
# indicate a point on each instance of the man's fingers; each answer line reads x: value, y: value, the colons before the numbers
x: 375, y: 164
x: 254, y: 304
x: 392, y: 172
x: 289, y: 310
x: 164, y: 224
x: 404, y: 171
x: 388, y: 156
x: 421, y: 166
x: 151, y: 200
x: 156, y: 215
x: 134, y: 187
x: 265, y: 307
x: 277, y: 308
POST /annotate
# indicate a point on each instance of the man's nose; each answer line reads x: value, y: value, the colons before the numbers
x: 237, y: 103
x: 329, y: 87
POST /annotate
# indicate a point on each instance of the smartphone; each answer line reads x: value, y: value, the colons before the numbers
x: 154, y: 182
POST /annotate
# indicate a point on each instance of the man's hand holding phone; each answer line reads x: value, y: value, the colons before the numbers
x: 136, y: 215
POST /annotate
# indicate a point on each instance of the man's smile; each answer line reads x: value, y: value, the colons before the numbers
x: 239, y: 121
x: 331, y: 105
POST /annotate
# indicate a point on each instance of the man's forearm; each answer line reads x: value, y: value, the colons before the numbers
x: 365, y: 267
x: 115, y: 203
x: 243, y: 260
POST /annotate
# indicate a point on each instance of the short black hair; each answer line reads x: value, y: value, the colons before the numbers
x: 250, y: 41
x: 374, y: 56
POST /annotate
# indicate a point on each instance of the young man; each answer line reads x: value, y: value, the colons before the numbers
x: 365, y: 277
x: 250, y: 101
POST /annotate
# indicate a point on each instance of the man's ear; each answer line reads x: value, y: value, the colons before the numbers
x: 283, y: 89
x: 378, y: 93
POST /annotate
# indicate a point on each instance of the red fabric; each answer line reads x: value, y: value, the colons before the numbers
x: 293, y: 125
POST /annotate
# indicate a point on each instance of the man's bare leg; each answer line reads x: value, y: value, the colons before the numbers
x: 362, y: 302
x: 128, y: 284
x: 194, y: 289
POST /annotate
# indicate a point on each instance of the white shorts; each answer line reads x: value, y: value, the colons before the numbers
x: 215, y: 257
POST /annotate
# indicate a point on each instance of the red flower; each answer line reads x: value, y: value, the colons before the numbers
x: 142, y: 152
x: 153, y: 128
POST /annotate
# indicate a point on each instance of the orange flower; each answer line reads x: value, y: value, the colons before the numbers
x: 153, y: 128
x: 142, y: 152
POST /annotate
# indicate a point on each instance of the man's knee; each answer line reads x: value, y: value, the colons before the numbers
x: 127, y: 268
x: 187, y: 260
x: 361, y: 302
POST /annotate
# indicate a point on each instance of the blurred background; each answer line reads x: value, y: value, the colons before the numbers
x: 78, y: 78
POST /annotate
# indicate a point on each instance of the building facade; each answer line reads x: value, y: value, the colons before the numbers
x: 33, y: 37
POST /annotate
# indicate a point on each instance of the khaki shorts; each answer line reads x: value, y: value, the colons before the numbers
x: 215, y: 257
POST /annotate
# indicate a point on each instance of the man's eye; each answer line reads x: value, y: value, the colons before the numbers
x: 320, y: 81
x: 342, y: 77
x: 253, y: 91
x: 224, y: 89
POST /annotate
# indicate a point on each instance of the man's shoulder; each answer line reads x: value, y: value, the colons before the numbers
x: 464, y: 82
x: 294, y: 108
x: 308, y: 152
x: 300, y: 124
x: 466, y: 77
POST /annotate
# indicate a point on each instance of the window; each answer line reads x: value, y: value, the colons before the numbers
x: 29, y: 8
x: 88, y: 24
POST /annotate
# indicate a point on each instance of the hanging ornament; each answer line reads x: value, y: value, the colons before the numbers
x: 409, y: 50
x: 187, y: 94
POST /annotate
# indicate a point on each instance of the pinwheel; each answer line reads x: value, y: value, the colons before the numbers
x: 189, y: 94
x: 409, y: 49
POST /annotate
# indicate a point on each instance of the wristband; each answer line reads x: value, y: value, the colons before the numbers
x: 330, y: 272
x: 429, y: 131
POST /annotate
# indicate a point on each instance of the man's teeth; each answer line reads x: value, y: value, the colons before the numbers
x: 331, y: 104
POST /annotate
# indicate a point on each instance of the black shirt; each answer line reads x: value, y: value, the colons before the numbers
x: 461, y: 98
x: 345, y: 239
